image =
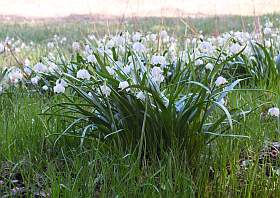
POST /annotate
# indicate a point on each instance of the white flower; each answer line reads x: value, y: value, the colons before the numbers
x: 234, y: 48
x: 127, y: 69
x: 119, y: 40
x: 274, y: 111
x: 164, y: 36
x: 53, y: 68
x: 206, y: 48
x: 209, y: 66
x: 90, y: 94
x: 35, y: 80
x: 40, y: 67
x: 105, y: 90
x: 157, y: 74
x: 91, y: 59
x: 45, y: 87
x: 62, y: 82
x: 153, y: 37
x: 27, y: 62
x: 110, y: 70
x: 138, y: 47
x: 88, y: 49
x: 267, y: 43
x: 123, y: 85
x: 2, y: 48
x: 83, y: 74
x: 158, y: 60
x: 91, y: 37
x: 140, y: 95
x: 268, y: 24
x: 1, y: 89
x: 220, y: 81
x: 198, y: 62
x: 165, y: 101
x: 64, y: 39
x: 76, y: 46
x: 15, y: 76
x: 50, y: 45
x: 136, y: 37
x: 110, y: 44
x: 27, y: 70
x: 267, y: 31
x: 59, y: 88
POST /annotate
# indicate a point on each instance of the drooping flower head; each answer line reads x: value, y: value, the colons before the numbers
x: 83, y: 74
x: 274, y: 112
x: 220, y: 81
x: 123, y: 85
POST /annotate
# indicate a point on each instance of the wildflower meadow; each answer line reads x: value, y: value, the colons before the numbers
x: 126, y: 111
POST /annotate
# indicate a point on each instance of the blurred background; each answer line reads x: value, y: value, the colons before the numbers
x: 132, y: 8
x: 41, y: 19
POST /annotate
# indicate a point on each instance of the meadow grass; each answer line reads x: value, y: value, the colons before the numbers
x: 32, y: 156
x: 28, y: 154
x: 42, y: 31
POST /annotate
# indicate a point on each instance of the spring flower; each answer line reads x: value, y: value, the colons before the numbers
x: 158, y: 60
x: 165, y: 101
x: 157, y: 75
x: 91, y: 37
x: 136, y: 37
x: 110, y: 44
x: 90, y: 94
x: 268, y: 24
x: 88, y: 49
x: 164, y: 36
x: 15, y: 76
x: 234, y: 48
x: 267, y: 43
x: 91, y: 59
x: 27, y: 62
x: 140, y: 95
x: 59, y: 88
x: 127, y: 69
x: 53, y: 68
x: 83, y: 74
x: 27, y: 70
x: 50, y: 45
x: 209, y: 66
x: 62, y: 82
x: 198, y: 62
x: 105, y: 90
x: 1, y: 89
x: 2, y: 48
x: 40, y: 67
x: 274, y: 112
x: 153, y: 37
x: 123, y: 85
x: 110, y: 70
x: 76, y: 46
x: 35, y: 80
x: 220, y: 81
x: 267, y: 30
x: 138, y: 47
x: 45, y: 87
x: 119, y: 40
x: 63, y: 40
x: 206, y: 48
